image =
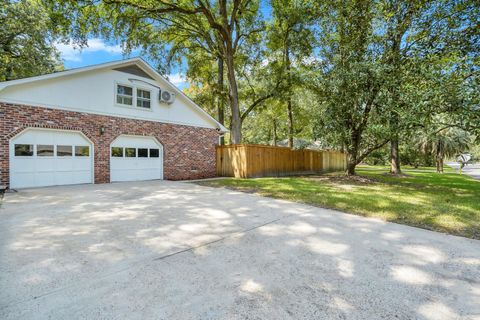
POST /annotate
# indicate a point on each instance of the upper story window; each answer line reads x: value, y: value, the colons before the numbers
x: 143, y: 98
x: 124, y: 95
x: 133, y: 97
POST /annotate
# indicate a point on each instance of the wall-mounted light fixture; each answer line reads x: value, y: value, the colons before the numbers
x: 102, y: 130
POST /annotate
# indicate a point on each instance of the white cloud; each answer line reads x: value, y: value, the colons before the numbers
x: 177, y: 79
x: 72, y: 52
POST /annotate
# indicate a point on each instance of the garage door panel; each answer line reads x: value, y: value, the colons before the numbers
x: 63, y: 178
x: 23, y: 180
x: 44, y: 178
x: 82, y: 176
x: 39, y: 171
x: 23, y: 165
x: 44, y: 164
x: 64, y: 165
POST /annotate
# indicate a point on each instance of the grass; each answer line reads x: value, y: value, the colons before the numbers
x: 446, y: 202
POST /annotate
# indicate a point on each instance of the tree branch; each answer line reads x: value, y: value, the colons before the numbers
x: 370, y: 150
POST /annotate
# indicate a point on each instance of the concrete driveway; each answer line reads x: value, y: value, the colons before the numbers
x: 172, y: 250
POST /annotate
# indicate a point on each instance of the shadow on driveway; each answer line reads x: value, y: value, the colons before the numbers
x: 172, y: 250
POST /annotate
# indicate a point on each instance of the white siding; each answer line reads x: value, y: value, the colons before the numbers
x: 94, y: 92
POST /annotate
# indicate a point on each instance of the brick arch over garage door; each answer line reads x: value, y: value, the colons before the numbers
x: 189, y: 152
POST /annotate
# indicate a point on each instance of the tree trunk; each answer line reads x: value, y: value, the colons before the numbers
x: 220, y: 104
x: 352, y: 153
x: 289, y: 98
x: 351, y: 164
x: 439, y: 157
x: 439, y: 163
x: 290, y: 122
x: 395, y: 84
x: 394, y: 157
x: 352, y: 160
x: 236, y: 125
x: 274, y: 129
x: 9, y: 73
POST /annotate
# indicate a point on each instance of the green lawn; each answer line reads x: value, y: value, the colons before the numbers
x: 443, y: 202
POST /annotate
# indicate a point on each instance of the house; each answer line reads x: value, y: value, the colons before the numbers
x: 117, y: 121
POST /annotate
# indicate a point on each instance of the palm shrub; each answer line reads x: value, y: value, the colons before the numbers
x: 444, y: 143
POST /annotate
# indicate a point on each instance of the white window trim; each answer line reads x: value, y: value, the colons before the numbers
x: 116, y: 94
x: 134, y: 96
x: 143, y: 99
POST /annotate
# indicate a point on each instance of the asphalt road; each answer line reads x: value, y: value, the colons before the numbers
x: 472, y: 170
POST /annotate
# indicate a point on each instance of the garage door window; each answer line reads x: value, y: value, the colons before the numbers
x: 154, y: 153
x: 117, y: 152
x: 130, y: 152
x: 44, y: 150
x: 82, y: 151
x: 64, y: 151
x: 23, y: 150
x: 142, y: 153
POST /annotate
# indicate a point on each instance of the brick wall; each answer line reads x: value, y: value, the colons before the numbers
x: 189, y: 152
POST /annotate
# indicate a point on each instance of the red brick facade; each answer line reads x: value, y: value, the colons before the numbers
x: 189, y: 152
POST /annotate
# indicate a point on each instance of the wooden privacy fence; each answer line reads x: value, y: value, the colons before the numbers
x: 249, y: 161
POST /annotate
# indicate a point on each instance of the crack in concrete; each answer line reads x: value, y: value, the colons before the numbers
x: 148, y: 259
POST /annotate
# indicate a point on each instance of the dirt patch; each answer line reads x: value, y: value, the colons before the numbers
x: 341, y: 179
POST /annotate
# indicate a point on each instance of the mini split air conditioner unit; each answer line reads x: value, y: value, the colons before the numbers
x: 166, y: 96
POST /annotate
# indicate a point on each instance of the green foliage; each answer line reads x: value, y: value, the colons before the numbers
x: 351, y: 75
x: 377, y: 157
x: 389, y: 67
x: 26, y: 40
x: 445, y: 143
x: 349, y: 81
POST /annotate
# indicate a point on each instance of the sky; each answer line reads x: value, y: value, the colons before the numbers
x: 99, y: 51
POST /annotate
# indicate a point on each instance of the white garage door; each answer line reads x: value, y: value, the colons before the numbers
x: 134, y: 158
x: 41, y: 157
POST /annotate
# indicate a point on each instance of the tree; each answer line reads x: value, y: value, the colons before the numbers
x: 26, y: 42
x: 266, y: 126
x: 290, y: 38
x: 445, y: 142
x: 420, y: 33
x: 220, y: 28
x: 373, y: 53
x: 257, y: 82
x: 348, y: 82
